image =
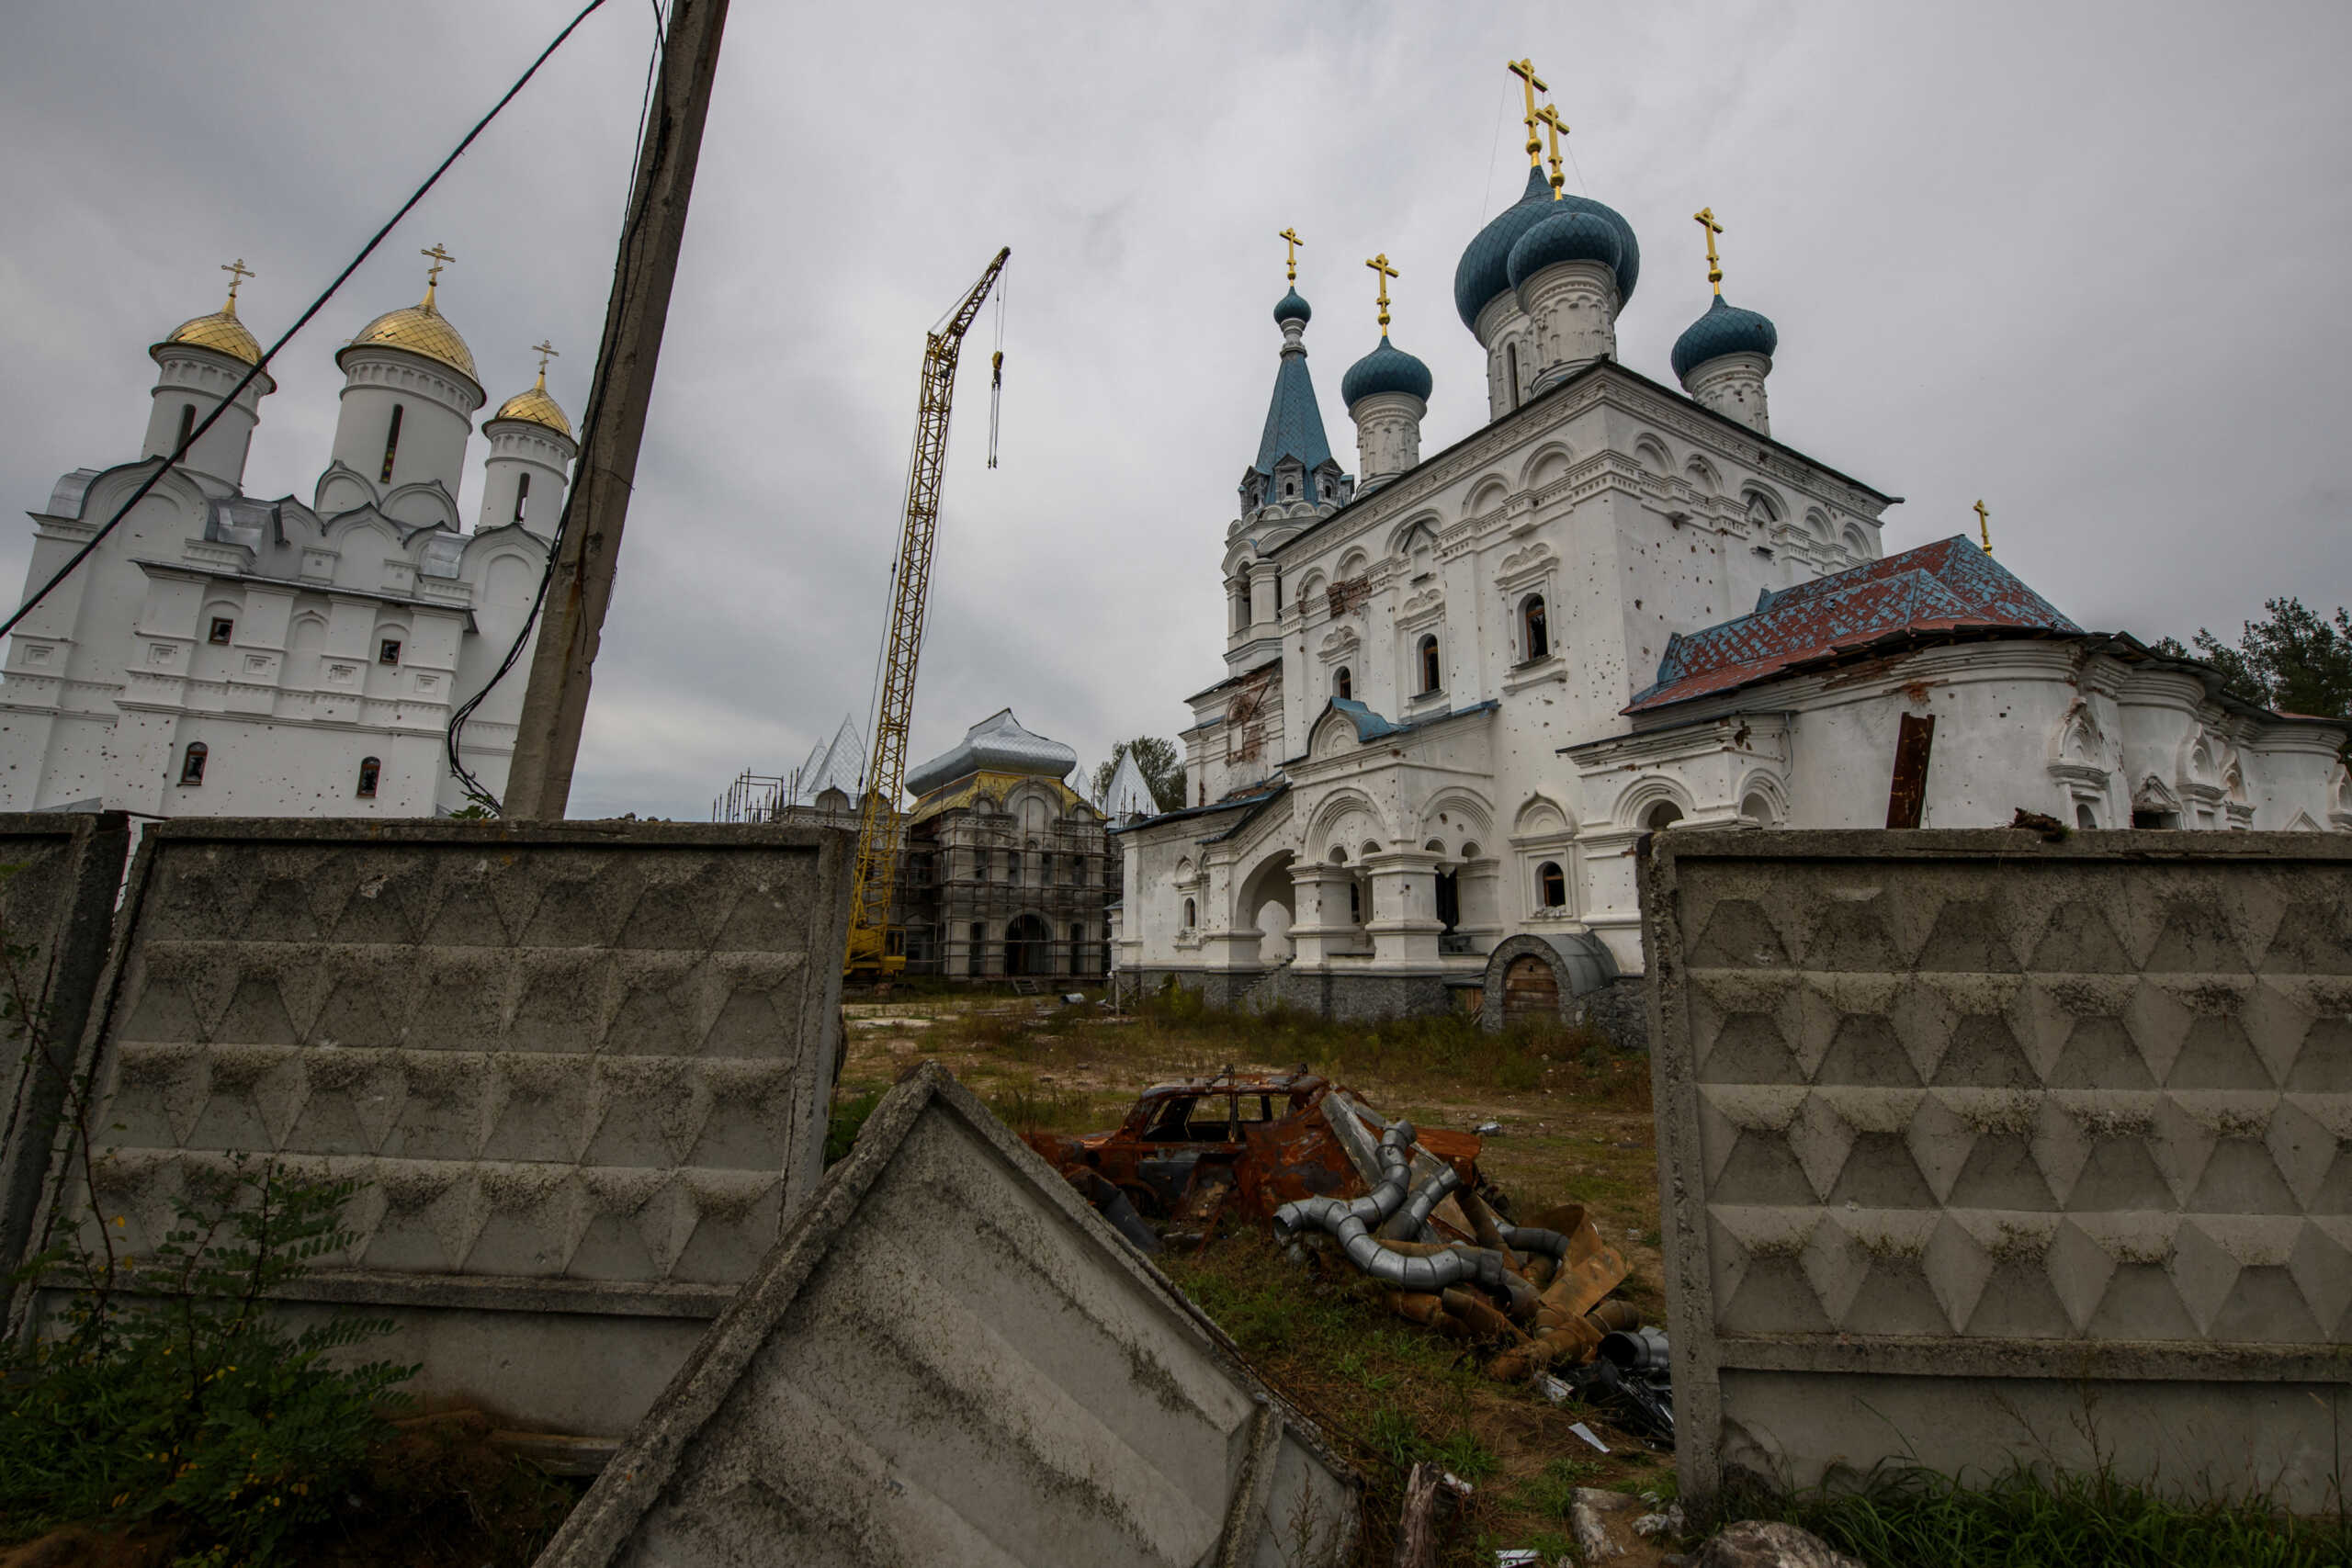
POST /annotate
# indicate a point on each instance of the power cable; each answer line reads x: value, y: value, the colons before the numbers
x: 632, y: 226
x: 262, y: 363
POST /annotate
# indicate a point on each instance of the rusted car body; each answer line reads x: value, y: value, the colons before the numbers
x: 1268, y: 1139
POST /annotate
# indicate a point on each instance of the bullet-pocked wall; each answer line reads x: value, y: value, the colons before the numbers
x: 582, y: 1069
x: 1978, y: 1148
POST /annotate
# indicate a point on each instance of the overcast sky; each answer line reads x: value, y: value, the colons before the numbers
x: 2084, y: 261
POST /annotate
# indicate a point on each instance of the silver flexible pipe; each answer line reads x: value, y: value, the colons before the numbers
x: 1533, y: 1238
x: 1415, y: 1217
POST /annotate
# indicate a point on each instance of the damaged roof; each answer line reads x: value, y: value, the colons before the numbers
x: 1950, y: 586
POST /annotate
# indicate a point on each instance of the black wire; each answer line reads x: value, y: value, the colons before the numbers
x: 633, y: 223
x: 304, y: 319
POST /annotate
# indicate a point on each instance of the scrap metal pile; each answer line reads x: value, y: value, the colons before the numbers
x: 1408, y: 1209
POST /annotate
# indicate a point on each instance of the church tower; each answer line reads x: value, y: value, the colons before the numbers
x: 1542, y: 284
x: 1294, y: 483
x: 1387, y: 392
x: 1723, y: 357
x: 197, y: 366
x: 409, y: 397
x: 531, y: 448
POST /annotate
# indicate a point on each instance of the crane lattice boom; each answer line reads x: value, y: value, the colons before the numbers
x: 878, y: 835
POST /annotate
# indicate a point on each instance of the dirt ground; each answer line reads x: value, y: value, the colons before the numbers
x: 1575, y: 1127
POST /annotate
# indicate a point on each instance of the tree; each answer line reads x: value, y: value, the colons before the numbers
x: 2294, y: 661
x: 1161, y: 762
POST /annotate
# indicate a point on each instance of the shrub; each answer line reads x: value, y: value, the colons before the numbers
x: 172, y: 1397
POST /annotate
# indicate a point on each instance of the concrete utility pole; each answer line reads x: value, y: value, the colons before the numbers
x: 538, y: 782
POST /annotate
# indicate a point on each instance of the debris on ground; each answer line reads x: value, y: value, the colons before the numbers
x: 1605, y: 1527
x: 1406, y: 1208
x: 1758, y: 1543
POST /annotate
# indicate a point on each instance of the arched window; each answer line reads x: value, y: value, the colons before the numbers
x: 369, y: 771
x: 1665, y: 814
x: 1430, y: 672
x: 192, y: 763
x: 1758, y: 809
x: 1535, y: 635
x: 2083, y: 816
x: 1510, y: 368
x: 1191, y: 914
x: 1551, y: 886
x: 1343, y: 683
x: 1012, y: 866
x: 187, y: 426
x: 391, y: 444
x: 1761, y: 512
x: 522, y: 494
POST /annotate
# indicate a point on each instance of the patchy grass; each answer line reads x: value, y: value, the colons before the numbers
x: 1906, y: 1517
x: 1576, y: 1126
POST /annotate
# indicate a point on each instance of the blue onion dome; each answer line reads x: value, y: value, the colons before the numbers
x: 1384, y: 369
x: 1724, y: 329
x: 1485, y: 269
x: 1572, y: 235
x: 1293, y: 308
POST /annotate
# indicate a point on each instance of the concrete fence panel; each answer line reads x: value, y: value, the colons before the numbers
x: 582, y: 1069
x: 1977, y: 1148
x: 59, y: 875
x: 951, y: 1358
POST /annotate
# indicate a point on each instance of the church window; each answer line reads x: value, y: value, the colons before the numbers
x: 1534, y: 634
x: 370, y: 770
x: 187, y: 426
x: 1343, y: 684
x: 522, y: 494
x: 2083, y: 816
x: 1664, y: 815
x: 1510, y: 362
x: 1431, y: 675
x: 1012, y: 866
x: 1191, y: 914
x: 192, y: 763
x: 1551, y: 886
x: 388, y: 651
x: 979, y: 947
x: 223, y: 628
x: 391, y: 444
x: 1355, y: 903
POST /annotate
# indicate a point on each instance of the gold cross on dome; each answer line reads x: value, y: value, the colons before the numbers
x: 1525, y: 71
x: 440, y: 258
x: 1984, y: 527
x: 238, y: 272
x: 1290, y: 239
x: 546, y: 351
x: 1550, y: 116
x: 1705, y: 218
x: 1379, y: 263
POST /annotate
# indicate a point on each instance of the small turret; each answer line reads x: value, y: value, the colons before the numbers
x: 197, y: 366
x: 1723, y: 357
x: 1386, y: 393
x: 531, y: 449
x: 409, y: 397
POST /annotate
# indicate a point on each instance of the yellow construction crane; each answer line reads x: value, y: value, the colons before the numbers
x: 870, y: 956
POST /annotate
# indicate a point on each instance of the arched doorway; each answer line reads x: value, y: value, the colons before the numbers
x: 1028, y: 947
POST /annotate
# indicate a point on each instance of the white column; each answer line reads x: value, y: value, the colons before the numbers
x: 1404, y: 923
x: 1321, y: 926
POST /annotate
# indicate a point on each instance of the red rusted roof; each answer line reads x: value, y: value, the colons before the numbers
x: 1948, y: 586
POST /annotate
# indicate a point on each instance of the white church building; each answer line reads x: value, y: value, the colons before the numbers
x: 1459, y: 688
x: 221, y: 654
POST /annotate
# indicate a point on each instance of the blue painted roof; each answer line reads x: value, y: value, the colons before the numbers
x: 1951, y: 585
x: 1577, y: 235
x: 1293, y: 307
x: 1385, y: 369
x: 1369, y: 725
x: 1485, y: 268
x: 1724, y: 329
x: 1294, y: 420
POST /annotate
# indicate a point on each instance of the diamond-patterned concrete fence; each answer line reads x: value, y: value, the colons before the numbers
x: 59, y: 875
x: 1975, y: 1148
x: 583, y: 1068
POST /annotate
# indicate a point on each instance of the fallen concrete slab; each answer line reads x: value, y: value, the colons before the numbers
x: 950, y: 1358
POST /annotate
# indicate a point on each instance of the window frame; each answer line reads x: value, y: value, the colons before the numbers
x: 221, y: 632
x: 1429, y: 658
x: 371, y: 777
x: 193, y: 759
x: 389, y: 650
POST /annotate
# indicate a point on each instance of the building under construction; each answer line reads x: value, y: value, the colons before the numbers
x: 1003, y: 870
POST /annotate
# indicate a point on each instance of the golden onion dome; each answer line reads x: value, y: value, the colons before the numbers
x: 419, y: 329
x: 222, y: 332
x: 535, y: 406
